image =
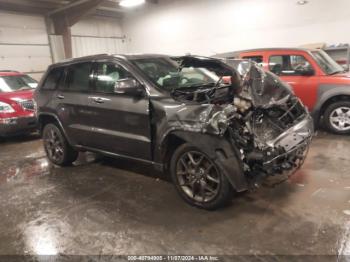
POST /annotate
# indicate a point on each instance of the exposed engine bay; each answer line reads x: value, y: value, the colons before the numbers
x: 257, y: 112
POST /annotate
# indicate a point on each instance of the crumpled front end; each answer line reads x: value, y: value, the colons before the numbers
x: 263, y: 120
x: 271, y: 127
x: 283, y: 155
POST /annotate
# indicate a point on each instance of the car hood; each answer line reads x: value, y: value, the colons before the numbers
x: 257, y: 89
x: 264, y: 89
x: 17, y: 95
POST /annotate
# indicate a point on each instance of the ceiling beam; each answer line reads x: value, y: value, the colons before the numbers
x: 109, y: 3
x: 68, y: 7
x: 27, y: 3
x: 107, y: 13
x: 61, y: 2
x: 23, y: 8
x: 114, y: 10
x: 70, y: 14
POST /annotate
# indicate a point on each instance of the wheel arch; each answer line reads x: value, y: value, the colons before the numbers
x: 168, y: 146
x: 332, y: 100
x: 48, y: 118
x: 219, y: 149
x: 328, y: 94
x: 45, y: 119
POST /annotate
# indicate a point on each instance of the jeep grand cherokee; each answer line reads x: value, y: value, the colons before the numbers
x: 214, y: 131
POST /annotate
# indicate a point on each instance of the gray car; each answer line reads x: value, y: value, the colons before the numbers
x: 213, y: 130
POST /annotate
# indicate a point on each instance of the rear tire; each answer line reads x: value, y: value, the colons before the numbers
x: 198, y: 180
x: 337, y: 118
x: 57, y: 147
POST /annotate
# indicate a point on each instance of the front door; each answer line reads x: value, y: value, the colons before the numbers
x: 120, y: 122
x: 305, y: 87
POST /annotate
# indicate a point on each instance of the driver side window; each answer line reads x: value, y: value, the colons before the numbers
x: 107, y: 74
x: 287, y: 65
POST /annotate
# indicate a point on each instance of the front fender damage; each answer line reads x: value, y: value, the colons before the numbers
x: 222, y: 152
x: 264, y: 132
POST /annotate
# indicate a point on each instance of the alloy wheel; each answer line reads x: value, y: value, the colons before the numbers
x: 340, y: 118
x: 54, y: 145
x: 198, y: 177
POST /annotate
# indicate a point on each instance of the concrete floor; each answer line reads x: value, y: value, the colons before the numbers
x: 104, y: 206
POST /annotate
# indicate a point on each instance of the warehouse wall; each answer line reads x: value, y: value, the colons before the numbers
x: 215, y: 26
x: 96, y: 36
x: 23, y: 44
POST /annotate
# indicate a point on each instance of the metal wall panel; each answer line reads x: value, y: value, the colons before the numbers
x: 91, y: 45
x: 96, y: 36
x: 24, y: 43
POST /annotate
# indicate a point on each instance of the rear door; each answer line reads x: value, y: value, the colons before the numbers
x: 72, y: 102
x: 120, y: 122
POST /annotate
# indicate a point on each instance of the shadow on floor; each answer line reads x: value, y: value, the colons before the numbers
x: 19, y: 138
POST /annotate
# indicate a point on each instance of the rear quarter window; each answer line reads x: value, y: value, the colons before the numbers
x: 53, y: 78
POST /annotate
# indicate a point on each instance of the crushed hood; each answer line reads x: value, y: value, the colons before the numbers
x: 264, y: 89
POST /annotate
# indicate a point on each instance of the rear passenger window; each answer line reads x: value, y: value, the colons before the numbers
x: 285, y: 65
x: 107, y: 75
x: 78, y: 77
x: 52, y: 79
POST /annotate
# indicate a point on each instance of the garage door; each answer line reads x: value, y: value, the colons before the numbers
x: 24, y: 44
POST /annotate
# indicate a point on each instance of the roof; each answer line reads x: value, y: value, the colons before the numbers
x: 106, y: 56
x: 10, y: 73
x: 236, y: 53
x: 276, y: 49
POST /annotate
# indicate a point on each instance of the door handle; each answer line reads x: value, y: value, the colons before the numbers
x: 60, y: 96
x: 98, y: 100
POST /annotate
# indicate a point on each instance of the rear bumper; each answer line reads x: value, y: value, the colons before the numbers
x: 17, y: 125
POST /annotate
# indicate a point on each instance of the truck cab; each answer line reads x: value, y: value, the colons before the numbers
x: 321, y: 84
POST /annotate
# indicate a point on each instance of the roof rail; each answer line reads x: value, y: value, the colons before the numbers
x: 80, y: 58
x: 9, y: 71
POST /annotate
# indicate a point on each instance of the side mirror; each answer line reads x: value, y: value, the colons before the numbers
x: 305, y: 71
x: 128, y: 86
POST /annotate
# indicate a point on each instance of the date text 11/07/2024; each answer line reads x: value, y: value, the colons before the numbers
x: 173, y: 258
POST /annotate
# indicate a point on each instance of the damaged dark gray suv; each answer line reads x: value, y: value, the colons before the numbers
x: 216, y: 131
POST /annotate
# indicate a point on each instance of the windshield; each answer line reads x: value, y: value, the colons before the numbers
x: 16, y: 83
x: 167, y: 74
x: 328, y: 65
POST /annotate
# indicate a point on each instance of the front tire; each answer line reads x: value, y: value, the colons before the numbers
x: 198, y: 180
x: 337, y: 118
x: 57, y: 147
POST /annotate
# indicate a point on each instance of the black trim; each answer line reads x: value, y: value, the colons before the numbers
x: 158, y: 166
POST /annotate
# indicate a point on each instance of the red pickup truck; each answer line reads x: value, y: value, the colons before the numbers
x: 17, y: 109
x: 321, y: 84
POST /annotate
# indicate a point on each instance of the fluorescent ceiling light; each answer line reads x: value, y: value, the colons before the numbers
x: 302, y: 2
x: 131, y: 3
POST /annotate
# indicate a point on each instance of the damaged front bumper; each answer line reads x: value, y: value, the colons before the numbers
x: 295, y: 142
x: 284, y: 154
